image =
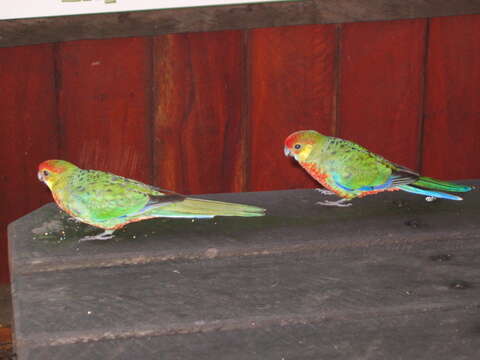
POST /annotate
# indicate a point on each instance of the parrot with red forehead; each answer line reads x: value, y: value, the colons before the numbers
x: 110, y: 202
x: 350, y: 171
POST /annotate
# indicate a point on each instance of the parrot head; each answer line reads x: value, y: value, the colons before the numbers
x: 50, y: 171
x: 300, y: 143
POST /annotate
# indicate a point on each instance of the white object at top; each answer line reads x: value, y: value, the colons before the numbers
x: 18, y: 9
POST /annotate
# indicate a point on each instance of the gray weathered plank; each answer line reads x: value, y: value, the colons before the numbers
x: 391, y: 270
x: 183, y: 297
x: 156, y: 22
x: 421, y: 335
x: 173, y: 296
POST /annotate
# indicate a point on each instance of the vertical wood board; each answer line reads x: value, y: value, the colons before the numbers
x: 199, y: 115
x: 381, y: 87
x: 28, y: 130
x: 105, y: 105
x: 452, y: 114
x: 291, y: 87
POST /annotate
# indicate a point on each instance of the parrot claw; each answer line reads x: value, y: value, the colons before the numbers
x: 324, y: 191
x: 430, y: 198
x: 106, y: 235
x: 339, y: 203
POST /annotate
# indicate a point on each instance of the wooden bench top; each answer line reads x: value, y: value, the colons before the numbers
x: 392, y: 277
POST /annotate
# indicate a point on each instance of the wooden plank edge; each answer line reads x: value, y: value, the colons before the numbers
x: 266, y: 249
x: 231, y: 324
x: 215, y: 18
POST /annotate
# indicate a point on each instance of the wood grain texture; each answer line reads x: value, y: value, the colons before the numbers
x: 214, y: 18
x: 452, y: 126
x: 416, y: 335
x: 6, y: 347
x: 381, y: 87
x: 104, y: 105
x: 199, y: 120
x: 28, y: 133
x: 391, y: 270
x: 157, y: 300
x: 291, y: 87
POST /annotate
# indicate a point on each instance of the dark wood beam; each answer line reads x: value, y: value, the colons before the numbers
x: 156, y: 22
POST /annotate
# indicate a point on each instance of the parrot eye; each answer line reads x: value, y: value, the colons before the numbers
x: 297, y: 146
x: 45, y: 173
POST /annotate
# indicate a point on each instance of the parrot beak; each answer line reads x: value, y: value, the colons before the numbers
x: 286, y: 151
x: 40, y: 176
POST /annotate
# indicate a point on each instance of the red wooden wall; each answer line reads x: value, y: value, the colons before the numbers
x: 208, y: 112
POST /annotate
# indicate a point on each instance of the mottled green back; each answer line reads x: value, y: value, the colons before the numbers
x: 350, y: 164
x: 98, y: 196
x: 110, y: 201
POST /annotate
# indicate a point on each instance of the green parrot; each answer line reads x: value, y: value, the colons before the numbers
x: 349, y: 170
x: 110, y: 202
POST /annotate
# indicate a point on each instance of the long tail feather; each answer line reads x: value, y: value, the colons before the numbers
x: 437, y: 194
x: 200, y: 208
x: 429, y: 183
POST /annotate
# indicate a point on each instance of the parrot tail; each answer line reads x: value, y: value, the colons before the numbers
x: 437, y: 194
x: 429, y: 183
x: 200, y: 208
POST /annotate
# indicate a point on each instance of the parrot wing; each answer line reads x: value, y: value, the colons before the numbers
x: 362, y: 170
x: 105, y: 196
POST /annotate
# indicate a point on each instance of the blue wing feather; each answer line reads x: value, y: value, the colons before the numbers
x: 436, y: 194
x: 384, y: 186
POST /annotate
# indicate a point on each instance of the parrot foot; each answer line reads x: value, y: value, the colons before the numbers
x: 339, y: 203
x: 106, y: 235
x: 430, y: 198
x: 325, y: 191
